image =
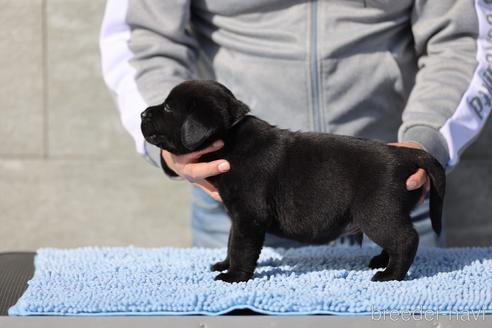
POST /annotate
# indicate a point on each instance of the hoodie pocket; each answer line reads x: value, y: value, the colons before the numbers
x: 363, y: 95
x: 388, y: 5
x: 348, y: 3
x: 377, y: 2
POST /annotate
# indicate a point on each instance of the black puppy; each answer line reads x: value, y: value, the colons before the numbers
x: 304, y: 186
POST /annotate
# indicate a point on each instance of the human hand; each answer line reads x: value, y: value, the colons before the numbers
x: 419, y: 178
x: 188, y: 167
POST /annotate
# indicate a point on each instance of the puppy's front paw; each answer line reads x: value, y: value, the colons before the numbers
x: 234, y: 276
x: 378, y: 261
x: 385, y: 276
x: 220, y: 266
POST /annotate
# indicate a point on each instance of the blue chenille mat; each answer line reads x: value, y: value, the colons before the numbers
x: 308, y: 280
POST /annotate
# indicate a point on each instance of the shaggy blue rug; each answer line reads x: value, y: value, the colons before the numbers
x: 307, y: 280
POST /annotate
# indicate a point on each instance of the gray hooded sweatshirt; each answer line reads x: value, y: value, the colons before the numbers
x: 390, y: 70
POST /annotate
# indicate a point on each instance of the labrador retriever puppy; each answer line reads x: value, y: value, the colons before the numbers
x: 305, y: 186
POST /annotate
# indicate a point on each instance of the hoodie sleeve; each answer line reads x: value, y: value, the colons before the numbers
x: 451, y: 99
x: 146, y: 49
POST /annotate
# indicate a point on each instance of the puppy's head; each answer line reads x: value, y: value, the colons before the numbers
x: 194, y: 114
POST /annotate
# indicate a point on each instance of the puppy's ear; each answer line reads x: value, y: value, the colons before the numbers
x: 196, y: 129
x: 237, y: 109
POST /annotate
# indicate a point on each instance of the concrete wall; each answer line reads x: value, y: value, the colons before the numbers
x: 69, y: 175
x: 468, y: 205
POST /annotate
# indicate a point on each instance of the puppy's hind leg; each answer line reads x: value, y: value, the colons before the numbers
x: 399, y: 240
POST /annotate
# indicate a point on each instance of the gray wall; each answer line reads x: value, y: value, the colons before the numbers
x: 468, y: 205
x: 69, y: 175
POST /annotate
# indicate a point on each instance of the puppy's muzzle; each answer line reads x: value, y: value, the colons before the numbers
x: 146, y: 115
x: 148, y: 127
x: 152, y: 139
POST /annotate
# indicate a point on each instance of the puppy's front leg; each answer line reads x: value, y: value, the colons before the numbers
x: 246, y: 241
x: 225, y: 264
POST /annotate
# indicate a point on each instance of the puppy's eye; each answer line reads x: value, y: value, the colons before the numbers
x: 167, y: 109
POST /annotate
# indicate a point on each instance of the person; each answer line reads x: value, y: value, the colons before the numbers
x: 414, y: 73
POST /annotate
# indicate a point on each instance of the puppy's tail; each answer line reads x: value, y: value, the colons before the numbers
x: 438, y: 187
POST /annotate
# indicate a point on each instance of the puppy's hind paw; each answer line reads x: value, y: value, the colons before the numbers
x: 220, y: 266
x: 234, y: 276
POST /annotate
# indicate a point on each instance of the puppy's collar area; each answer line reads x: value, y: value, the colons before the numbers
x: 239, y: 120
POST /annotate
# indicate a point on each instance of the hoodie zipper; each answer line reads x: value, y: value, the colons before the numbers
x: 315, y: 101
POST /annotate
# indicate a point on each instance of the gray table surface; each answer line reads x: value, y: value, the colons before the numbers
x: 240, y: 322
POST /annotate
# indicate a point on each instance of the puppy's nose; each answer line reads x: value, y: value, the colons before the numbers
x: 146, y: 114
